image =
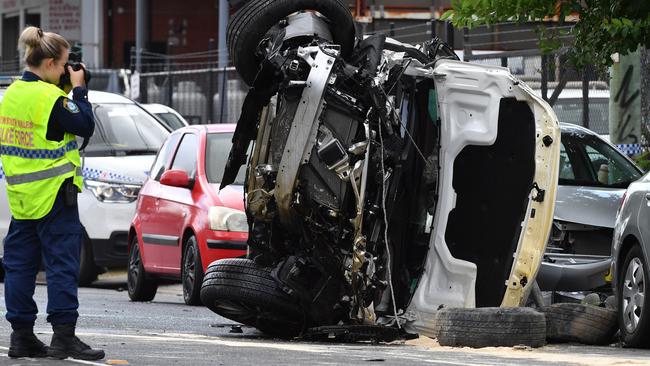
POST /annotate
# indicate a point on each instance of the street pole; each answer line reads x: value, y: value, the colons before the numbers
x: 139, y: 33
x: 645, y: 98
x: 224, y: 13
x: 625, y: 116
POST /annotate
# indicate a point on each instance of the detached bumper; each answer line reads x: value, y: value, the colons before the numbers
x: 573, y: 273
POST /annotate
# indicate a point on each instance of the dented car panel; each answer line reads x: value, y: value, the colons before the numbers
x: 469, y: 99
x: 384, y: 183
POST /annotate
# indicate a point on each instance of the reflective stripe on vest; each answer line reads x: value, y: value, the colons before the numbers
x: 43, y: 174
x: 38, y: 153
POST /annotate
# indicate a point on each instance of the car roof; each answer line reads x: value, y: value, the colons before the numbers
x: 575, y: 129
x: 95, y: 96
x: 212, y: 128
x: 155, y: 107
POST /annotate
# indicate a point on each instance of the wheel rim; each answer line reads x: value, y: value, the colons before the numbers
x: 633, y: 294
x: 134, y: 267
x: 189, y: 268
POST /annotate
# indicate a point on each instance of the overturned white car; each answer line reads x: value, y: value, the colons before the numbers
x: 386, y: 180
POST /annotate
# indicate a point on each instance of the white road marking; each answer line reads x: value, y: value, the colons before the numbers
x: 314, y: 348
x: 172, y: 337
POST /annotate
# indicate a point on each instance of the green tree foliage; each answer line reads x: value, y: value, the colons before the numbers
x: 604, y: 27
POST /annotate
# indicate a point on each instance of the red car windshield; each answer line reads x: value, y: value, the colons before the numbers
x: 216, y: 155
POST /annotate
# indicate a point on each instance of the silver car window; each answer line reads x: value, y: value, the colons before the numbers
x: 587, y: 160
x: 125, y: 129
x: 185, y: 158
x: 216, y: 154
x: 164, y: 155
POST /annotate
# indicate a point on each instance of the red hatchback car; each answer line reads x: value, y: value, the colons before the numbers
x: 183, y: 222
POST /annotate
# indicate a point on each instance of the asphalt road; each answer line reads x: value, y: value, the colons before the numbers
x: 167, y: 332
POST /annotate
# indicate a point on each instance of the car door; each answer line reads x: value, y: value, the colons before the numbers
x: 644, y: 211
x: 174, y: 205
x: 593, y: 177
x: 148, y: 201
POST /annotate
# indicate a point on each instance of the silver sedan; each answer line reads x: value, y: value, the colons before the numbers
x: 630, y: 250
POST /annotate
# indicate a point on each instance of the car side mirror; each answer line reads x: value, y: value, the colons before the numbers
x: 177, y: 178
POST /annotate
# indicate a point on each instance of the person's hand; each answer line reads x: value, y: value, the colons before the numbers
x: 77, y: 78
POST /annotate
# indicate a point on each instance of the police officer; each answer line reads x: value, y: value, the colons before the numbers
x: 42, y: 168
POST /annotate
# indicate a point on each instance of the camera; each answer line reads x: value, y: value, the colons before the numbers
x: 74, y: 60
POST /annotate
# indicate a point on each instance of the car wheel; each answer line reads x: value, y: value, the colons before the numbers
x: 634, y: 320
x: 192, y: 272
x: 580, y: 323
x: 490, y: 327
x: 88, y: 271
x: 241, y: 290
x: 140, y: 287
x: 252, y: 22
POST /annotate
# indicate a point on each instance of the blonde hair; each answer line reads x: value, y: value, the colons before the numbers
x: 39, y: 45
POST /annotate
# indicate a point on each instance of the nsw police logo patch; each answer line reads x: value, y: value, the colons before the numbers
x: 71, y: 106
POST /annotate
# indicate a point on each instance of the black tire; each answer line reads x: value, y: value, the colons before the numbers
x: 88, y: 271
x: 191, y: 272
x: 250, y: 24
x: 587, y: 324
x: 638, y: 336
x: 140, y: 287
x: 490, y: 327
x: 241, y: 290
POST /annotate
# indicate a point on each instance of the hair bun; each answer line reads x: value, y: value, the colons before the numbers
x: 31, y: 37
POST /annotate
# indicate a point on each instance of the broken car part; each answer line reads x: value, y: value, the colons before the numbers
x: 387, y: 180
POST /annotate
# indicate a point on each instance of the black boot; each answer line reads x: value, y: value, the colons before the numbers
x: 66, y: 344
x: 25, y: 344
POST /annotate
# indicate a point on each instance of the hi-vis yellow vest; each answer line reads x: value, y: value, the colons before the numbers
x: 34, y: 167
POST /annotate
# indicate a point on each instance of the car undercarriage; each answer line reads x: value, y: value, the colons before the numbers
x: 354, y: 166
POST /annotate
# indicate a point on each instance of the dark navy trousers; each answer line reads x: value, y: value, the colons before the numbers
x: 55, y: 241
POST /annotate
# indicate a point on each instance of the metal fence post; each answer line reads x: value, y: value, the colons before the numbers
x: 449, y: 33
x: 170, y: 83
x: 467, y: 47
x: 222, y: 94
x: 212, y: 45
x: 585, y: 96
x: 544, y: 67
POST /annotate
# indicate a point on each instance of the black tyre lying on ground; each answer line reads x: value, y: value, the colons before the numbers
x: 251, y: 23
x: 490, y: 327
x: 241, y: 290
x: 579, y: 323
